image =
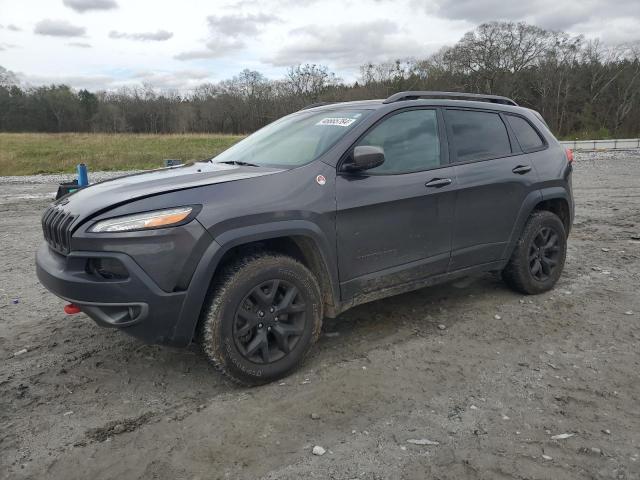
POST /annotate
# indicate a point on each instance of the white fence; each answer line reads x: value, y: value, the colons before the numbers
x: 618, y: 144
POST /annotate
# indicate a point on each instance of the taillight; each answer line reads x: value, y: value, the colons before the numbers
x: 569, y: 155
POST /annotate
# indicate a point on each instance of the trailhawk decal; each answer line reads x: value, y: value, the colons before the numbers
x: 336, y: 121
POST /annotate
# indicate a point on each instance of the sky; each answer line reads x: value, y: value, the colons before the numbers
x: 106, y: 44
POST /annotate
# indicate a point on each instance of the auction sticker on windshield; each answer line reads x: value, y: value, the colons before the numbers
x: 336, y: 121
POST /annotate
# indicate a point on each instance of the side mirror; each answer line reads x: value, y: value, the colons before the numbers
x: 365, y: 158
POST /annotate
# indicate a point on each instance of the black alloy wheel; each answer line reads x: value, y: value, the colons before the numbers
x: 544, y: 253
x: 269, y: 321
x: 261, y: 318
x: 538, y: 258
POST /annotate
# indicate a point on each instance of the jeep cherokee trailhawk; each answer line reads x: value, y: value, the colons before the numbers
x: 326, y: 208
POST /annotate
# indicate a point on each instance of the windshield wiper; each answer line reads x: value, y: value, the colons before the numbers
x: 238, y: 162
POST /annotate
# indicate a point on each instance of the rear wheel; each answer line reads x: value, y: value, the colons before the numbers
x: 538, y: 259
x: 263, y: 316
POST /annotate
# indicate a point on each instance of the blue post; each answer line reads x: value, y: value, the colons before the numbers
x: 83, y: 177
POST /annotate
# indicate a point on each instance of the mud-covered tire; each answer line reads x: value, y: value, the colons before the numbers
x: 521, y: 273
x: 242, y: 289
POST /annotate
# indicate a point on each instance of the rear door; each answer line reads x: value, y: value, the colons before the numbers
x: 494, y: 176
x: 394, y: 222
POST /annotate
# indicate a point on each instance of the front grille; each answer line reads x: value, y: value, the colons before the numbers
x: 56, y: 226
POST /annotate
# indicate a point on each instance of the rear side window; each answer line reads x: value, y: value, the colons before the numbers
x: 410, y: 142
x: 527, y: 136
x: 477, y: 135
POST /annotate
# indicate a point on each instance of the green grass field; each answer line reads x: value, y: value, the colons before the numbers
x: 31, y: 153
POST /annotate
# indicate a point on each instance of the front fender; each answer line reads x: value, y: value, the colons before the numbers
x: 208, y: 265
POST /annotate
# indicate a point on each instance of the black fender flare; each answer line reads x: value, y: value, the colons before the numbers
x: 528, y: 205
x: 551, y: 193
x: 201, y: 280
x: 533, y: 199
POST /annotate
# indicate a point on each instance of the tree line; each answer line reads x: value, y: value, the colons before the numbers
x: 582, y: 88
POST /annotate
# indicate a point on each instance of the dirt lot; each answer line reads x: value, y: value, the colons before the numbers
x: 492, y: 386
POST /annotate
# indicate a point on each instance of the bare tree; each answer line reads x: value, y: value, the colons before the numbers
x: 581, y: 88
x: 7, y: 78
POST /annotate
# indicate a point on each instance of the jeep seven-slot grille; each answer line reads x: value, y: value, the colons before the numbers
x: 56, y: 225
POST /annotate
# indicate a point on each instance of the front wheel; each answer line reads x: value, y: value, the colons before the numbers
x: 264, y: 314
x: 538, y: 259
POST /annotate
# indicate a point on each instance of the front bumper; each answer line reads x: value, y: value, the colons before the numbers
x: 135, y: 304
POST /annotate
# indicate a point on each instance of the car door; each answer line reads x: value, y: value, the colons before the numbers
x: 394, y: 221
x: 494, y: 176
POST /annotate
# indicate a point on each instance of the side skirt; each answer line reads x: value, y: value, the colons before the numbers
x: 418, y: 284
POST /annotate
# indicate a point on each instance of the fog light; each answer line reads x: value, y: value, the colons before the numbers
x: 107, y: 268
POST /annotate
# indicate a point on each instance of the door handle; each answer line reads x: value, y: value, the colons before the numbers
x: 522, y: 169
x: 438, y: 182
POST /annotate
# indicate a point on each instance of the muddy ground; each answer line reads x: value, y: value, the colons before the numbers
x: 503, y: 376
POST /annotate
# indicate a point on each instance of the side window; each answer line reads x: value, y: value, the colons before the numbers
x: 410, y: 142
x: 527, y: 137
x: 477, y: 135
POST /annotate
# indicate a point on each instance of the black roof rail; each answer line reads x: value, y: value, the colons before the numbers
x: 313, y: 105
x: 415, y: 95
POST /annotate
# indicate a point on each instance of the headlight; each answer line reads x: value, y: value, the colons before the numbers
x: 142, y: 221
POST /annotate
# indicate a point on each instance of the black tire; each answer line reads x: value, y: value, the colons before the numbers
x: 537, y: 261
x: 237, y: 322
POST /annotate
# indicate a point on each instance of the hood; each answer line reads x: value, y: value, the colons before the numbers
x: 110, y: 193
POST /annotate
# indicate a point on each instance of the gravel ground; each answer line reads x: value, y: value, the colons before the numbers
x: 53, y: 179
x: 462, y: 381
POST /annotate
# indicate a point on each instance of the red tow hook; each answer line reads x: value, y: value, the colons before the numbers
x: 71, y: 309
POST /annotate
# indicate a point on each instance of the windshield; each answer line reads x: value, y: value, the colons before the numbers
x: 293, y: 140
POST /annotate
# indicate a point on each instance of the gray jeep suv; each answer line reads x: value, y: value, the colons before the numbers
x: 326, y: 208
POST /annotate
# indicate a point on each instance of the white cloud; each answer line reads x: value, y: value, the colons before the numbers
x: 348, y: 45
x: 239, y: 25
x: 172, y: 80
x: 216, y: 47
x: 58, y: 28
x: 227, y: 34
x: 163, y: 80
x: 91, y: 82
x: 82, y: 6
x: 563, y: 15
x: 223, y: 37
x: 157, y: 36
x: 10, y: 27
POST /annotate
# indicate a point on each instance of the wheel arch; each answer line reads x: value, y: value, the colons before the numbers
x: 555, y: 200
x: 299, y: 239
